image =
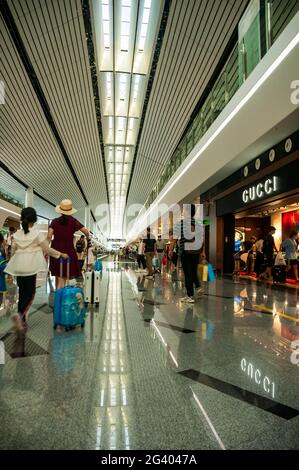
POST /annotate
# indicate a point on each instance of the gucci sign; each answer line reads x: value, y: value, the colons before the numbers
x: 260, y: 190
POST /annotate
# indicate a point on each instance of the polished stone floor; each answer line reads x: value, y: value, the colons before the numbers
x: 149, y: 372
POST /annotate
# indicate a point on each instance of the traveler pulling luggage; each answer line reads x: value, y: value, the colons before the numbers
x: 98, y: 266
x: 69, y: 307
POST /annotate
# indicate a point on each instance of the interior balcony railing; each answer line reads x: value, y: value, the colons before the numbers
x: 11, y: 199
x: 267, y: 20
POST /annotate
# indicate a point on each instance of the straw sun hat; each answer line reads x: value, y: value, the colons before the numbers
x: 65, y: 207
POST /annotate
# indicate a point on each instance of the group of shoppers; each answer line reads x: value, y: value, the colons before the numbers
x: 28, y: 252
x: 85, y: 253
x: 185, y: 243
x: 260, y: 254
x: 155, y: 255
x: 29, y: 247
x: 6, y: 243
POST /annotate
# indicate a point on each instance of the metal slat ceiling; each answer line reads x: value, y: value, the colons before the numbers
x: 28, y: 146
x: 196, y: 36
x: 54, y: 37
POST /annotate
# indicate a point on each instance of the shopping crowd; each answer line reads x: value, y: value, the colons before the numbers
x: 268, y: 260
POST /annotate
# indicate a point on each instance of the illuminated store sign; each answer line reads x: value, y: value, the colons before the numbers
x: 258, y: 377
x: 260, y: 190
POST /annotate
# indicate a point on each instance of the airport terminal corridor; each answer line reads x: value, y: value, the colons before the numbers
x: 150, y: 372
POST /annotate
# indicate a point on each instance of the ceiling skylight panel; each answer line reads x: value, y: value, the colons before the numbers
x: 105, y: 11
x: 127, y: 168
x: 146, y: 15
x: 118, y: 168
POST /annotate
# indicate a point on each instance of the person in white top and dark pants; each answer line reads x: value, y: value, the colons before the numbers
x: 140, y: 256
x: 27, y: 259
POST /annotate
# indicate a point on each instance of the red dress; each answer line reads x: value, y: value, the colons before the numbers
x: 63, y: 241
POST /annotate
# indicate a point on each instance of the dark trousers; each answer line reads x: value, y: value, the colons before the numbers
x: 27, y: 288
x: 259, y: 261
x: 141, y: 261
x: 81, y: 263
x: 189, y: 265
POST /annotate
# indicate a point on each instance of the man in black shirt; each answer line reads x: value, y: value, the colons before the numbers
x: 149, y: 251
x: 190, y: 237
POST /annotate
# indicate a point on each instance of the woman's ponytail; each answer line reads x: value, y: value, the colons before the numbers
x: 25, y: 225
x: 28, y: 216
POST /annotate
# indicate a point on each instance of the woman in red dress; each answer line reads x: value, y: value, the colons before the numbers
x: 63, y: 229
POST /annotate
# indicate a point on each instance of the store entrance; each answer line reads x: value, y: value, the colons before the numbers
x: 254, y: 224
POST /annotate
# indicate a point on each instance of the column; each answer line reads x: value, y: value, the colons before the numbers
x: 87, y: 218
x: 29, y: 197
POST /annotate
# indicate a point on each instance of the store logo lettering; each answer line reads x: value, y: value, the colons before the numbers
x: 260, y: 190
x: 256, y: 376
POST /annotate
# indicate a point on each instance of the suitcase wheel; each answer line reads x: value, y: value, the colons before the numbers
x: 67, y: 328
x: 83, y: 324
x: 55, y: 326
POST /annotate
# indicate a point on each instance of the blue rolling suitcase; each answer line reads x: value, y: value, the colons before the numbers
x: 98, y: 265
x: 69, y: 306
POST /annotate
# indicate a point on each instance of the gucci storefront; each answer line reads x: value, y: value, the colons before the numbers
x: 264, y: 193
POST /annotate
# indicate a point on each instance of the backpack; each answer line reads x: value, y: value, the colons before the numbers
x: 79, y: 247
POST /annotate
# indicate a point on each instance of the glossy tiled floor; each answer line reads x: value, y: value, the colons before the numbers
x: 149, y: 372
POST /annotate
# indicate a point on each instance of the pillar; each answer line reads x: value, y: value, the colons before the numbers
x: 87, y: 218
x: 29, y: 197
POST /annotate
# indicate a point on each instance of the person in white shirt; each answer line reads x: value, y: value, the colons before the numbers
x: 140, y: 256
x: 90, y: 258
x: 27, y: 259
x: 160, y: 251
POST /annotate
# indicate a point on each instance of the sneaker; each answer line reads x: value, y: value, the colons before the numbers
x: 188, y: 300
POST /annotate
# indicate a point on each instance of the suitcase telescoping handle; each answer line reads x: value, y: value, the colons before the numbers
x: 68, y: 261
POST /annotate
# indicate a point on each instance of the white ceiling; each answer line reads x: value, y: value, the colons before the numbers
x: 125, y: 38
x: 54, y: 37
x: 196, y: 36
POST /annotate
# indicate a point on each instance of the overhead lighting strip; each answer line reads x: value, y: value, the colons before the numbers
x: 122, y: 90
